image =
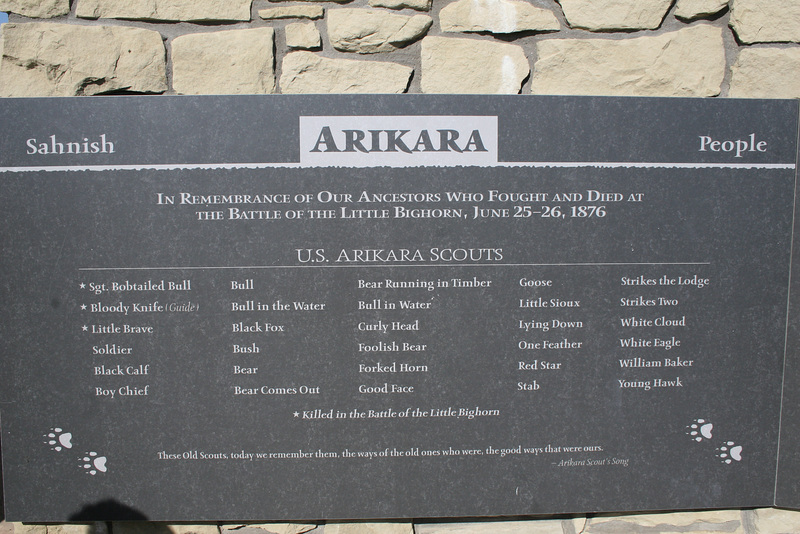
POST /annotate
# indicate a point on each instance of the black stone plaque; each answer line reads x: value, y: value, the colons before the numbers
x: 319, y: 307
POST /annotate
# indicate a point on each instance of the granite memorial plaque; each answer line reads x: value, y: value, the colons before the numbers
x: 318, y: 307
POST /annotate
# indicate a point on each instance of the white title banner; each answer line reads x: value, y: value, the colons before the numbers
x: 398, y: 141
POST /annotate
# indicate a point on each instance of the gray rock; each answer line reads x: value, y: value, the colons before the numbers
x: 768, y: 73
x: 539, y: 526
x: 694, y: 9
x: 49, y: 59
x: 419, y: 5
x: 687, y: 62
x: 765, y: 21
x: 711, y: 522
x: 40, y: 9
x: 771, y: 520
x: 151, y: 527
x: 166, y: 10
x: 292, y: 12
x: 496, y: 16
x: 269, y: 528
x: 302, y: 35
x: 369, y: 528
x: 451, y: 65
x: 305, y: 72
x: 604, y: 15
x: 77, y: 528
x: 369, y: 31
x: 224, y: 62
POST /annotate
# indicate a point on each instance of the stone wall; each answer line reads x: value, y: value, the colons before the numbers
x: 737, y: 48
x: 705, y: 48
x: 760, y: 521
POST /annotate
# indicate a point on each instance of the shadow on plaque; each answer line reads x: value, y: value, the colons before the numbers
x: 109, y: 510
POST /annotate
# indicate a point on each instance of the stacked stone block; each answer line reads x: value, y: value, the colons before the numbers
x: 739, y: 48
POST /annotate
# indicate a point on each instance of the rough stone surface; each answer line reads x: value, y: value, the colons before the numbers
x: 304, y: 72
x: 694, y: 9
x: 603, y: 15
x: 224, y: 62
x: 687, y: 62
x: 576, y: 524
x: 166, y: 10
x: 197, y: 528
x: 452, y: 65
x: 303, y: 35
x: 49, y: 59
x: 772, y: 521
x: 496, y: 16
x: 419, y: 5
x: 369, y: 31
x: 22, y: 528
x: 74, y: 528
x: 766, y: 73
x: 764, y: 21
x: 40, y: 9
x: 292, y: 12
x: 719, y: 521
x: 369, y: 528
x: 337, y: 1
x: 70, y: 529
x: 269, y: 528
x: 551, y: 526
x: 149, y: 527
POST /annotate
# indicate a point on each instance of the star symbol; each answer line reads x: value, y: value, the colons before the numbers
x: 83, y: 306
x: 83, y: 286
x: 297, y: 414
x: 85, y: 328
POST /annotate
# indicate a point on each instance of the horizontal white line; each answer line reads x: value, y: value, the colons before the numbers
x: 536, y: 164
x: 643, y: 165
x: 362, y: 266
x: 167, y: 167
